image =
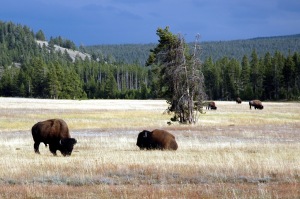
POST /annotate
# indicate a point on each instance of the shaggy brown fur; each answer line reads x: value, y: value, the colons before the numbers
x: 157, y: 139
x: 238, y: 100
x: 256, y: 104
x: 211, y: 105
x: 54, y: 132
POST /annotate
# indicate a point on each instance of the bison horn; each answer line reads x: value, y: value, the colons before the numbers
x: 59, y: 142
x: 145, y: 134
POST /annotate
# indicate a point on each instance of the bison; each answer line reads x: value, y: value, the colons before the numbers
x: 238, y: 100
x: 157, y: 139
x: 211, y: 105
x: 54, y: 132
x: 256, y: 104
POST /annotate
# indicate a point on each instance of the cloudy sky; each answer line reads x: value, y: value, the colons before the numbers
x: 90, y: 22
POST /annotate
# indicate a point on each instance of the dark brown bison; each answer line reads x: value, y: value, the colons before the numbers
x: 238, y: 100
x: 211, y: 105
x: 256, y: 104
x: 157, y: 139
x: 54, y: 132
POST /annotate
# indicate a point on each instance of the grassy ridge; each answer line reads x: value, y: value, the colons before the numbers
x: 233, y: 152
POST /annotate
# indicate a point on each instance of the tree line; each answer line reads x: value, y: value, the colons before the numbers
x: 139, y: 53
x: 30, y: 70
x: 61, y: 79
x: 269, y: 77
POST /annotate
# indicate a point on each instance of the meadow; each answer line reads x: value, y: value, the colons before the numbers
x: 233, y: 152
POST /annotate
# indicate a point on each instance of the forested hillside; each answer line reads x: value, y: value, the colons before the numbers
x: 28, y: 69
x: 264, y: 68
x: 138, y: 53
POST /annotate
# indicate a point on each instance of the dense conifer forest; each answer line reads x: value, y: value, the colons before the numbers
x: 264, y: 68
x: 138, y: 53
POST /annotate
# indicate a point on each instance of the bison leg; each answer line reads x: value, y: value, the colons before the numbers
x: 52, y: 149
x: 36, y: 147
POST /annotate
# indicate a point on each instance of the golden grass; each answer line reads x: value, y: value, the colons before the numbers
x: 233, y: 152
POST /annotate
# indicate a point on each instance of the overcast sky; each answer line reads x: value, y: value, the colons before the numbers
x: 91, y: 22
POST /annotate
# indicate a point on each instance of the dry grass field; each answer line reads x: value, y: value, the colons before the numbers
x: 233, y: 152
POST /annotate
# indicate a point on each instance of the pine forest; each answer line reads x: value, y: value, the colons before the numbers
x: 261, y: 68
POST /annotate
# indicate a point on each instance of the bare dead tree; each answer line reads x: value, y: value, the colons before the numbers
x: 177, y: 75
x: 185, y: 75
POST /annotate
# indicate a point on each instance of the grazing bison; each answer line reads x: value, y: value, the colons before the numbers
x: 211, y: 105
x: 157, y: 139
x: 238, y: 100
x: 54, y: 132
x: 256, y: 104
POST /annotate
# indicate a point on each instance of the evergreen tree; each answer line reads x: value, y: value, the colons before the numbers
x: 245, y: 79
x: 71, y: 85
x: 269, y: 87
x: 40, y: 36
x: 212, y: 79
x: 8, y: 86
x: 21, y: 79
x: 296, y: 58
x: 39, y: 77
x: 144, y: 91
x: 278, y: 64
x: 160, y: 59
x: 111, y: 88
x: 234, y: 73
x: 54, y: 84
x: 224, y: 81
x: 256, y: 75
x: 289, y: 76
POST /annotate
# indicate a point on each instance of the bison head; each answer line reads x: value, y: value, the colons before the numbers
x: 144, y: 140
x: 260, y: 107
x: 66, y: 146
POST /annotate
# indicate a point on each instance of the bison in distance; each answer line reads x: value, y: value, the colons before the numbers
x: 238, y: 100
x: 256, y: 104
x: 211, y: 105
x: 54, y: 132
x: 157, y: 139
